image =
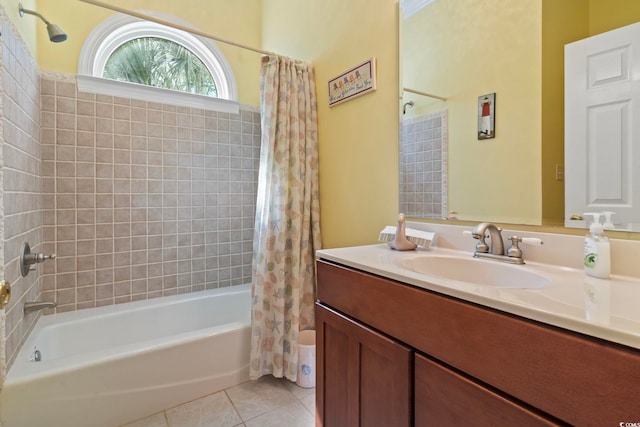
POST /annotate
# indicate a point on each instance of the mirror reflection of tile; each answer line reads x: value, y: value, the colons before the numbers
x: 423, y: 174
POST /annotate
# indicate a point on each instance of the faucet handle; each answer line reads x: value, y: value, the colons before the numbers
x: 532, y: 241
x: 481, y: 246
x: 28, y: 258
x: 514, y: 251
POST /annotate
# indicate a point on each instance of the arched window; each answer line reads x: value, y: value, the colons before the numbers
x: 158, y: 62
x: 144, y: 60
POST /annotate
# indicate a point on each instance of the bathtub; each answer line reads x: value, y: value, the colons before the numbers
x: 110, y: 365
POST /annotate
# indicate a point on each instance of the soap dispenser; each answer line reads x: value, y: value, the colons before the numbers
x: 608, y: 224
x: 597, y: 251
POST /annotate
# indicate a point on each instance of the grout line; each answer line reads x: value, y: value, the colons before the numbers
x: 243, y: 421
x: 233, y: 404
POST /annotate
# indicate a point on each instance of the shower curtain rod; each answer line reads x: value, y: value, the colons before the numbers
x: 415, y: 91
x: 173, y: 25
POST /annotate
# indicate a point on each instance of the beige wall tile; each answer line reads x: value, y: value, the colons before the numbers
x: 138, y: 191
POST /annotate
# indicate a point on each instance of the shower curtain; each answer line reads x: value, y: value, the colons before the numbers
x: 287, y: 226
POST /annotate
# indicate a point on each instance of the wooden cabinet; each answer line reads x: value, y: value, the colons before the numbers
x: 502, y: 369
x: 363, y: 377
x: 444, y: 397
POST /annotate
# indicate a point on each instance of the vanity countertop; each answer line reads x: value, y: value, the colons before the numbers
x: 607, y: 309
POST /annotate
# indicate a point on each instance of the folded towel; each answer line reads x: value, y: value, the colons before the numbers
x: 420, y: 238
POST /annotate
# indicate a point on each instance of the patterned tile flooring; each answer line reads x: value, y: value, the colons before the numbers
x: 265, y: 402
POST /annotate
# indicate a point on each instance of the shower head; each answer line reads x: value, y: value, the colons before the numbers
x: 407, y: 104
x: 56, y: 34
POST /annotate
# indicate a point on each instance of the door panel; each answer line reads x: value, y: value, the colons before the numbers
x: 602, y: 91
x: 369, y: 375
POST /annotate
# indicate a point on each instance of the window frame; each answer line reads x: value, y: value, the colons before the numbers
x: 119, y: 29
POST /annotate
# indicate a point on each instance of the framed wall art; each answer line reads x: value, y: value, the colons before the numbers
x: 354, y: 82
x: 487, y: 116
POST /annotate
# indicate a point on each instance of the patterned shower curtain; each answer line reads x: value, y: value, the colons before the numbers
x: 287, y: 227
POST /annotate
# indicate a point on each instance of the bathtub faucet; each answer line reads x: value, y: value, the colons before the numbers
x: 30, y: 307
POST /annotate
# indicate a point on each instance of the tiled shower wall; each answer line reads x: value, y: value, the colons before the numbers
x: 20, y: 185
x: 423, y: 166
x: 143, y: 199
x: 137, y: 199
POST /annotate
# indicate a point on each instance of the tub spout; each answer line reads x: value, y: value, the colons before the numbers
x: 30, y: 307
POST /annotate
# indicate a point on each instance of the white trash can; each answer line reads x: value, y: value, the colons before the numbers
x: 307, y: 359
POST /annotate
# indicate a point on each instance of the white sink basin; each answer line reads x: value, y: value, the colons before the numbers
x: 476, y: 271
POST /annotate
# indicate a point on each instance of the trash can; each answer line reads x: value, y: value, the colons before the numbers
x: 307, y: 359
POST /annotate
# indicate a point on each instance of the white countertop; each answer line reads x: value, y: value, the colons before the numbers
x: 607, y: 309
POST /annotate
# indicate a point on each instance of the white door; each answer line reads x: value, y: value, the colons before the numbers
x: 602, y: 126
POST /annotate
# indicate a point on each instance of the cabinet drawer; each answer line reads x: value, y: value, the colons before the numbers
x: 575, y: 378
x: 445, y: 398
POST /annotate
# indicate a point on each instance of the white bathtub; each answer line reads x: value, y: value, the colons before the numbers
x: 111, y: 365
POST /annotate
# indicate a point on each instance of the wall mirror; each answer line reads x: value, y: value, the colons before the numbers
x: 454, y: 51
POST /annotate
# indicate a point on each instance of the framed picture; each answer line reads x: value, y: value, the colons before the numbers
x: 352, y: 83
x: 487, y: 116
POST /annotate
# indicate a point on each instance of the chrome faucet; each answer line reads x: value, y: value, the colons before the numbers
x: 495, y: 234
x: 495, y: 250
x: 30, y: 307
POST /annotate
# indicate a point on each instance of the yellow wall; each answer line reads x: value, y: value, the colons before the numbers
x: 237, y: 20
x: 456, y: 49
x: 26, y: 25
x: 562, y: 22
x: 605, y: 15
x: 359, y: 138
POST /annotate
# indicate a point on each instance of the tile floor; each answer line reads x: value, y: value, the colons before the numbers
x: 265, y: 402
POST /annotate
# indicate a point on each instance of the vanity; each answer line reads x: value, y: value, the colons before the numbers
x: 397, y: 347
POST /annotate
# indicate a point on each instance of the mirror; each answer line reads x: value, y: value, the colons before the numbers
x: 460, y: 50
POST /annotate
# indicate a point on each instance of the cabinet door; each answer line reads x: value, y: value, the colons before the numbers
x: 363, y: 377
x: 445, y: 398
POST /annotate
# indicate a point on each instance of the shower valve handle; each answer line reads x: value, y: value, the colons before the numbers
x: 37, y: 258
x: 27, y: 259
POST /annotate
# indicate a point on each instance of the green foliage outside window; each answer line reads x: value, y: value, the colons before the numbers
x: 161, y: 63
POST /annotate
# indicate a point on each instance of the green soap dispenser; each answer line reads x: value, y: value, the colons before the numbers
x: 597, y: 251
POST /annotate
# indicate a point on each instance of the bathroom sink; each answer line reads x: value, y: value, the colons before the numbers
x: 476, y: 271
